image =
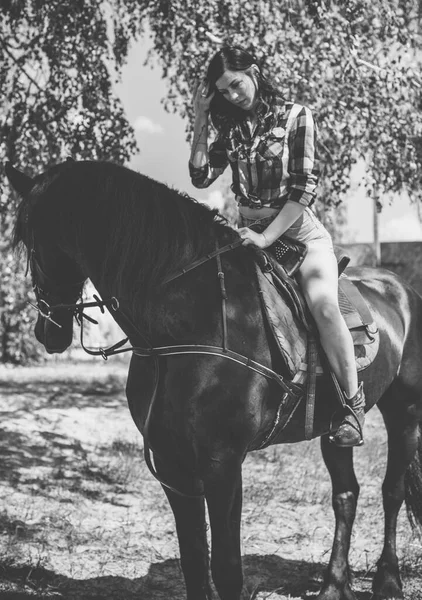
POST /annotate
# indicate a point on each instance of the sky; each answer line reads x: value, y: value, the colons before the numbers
x: 164, y: 155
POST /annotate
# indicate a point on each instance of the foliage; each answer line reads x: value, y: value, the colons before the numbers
x: 58, y: 97
x: 356, y: 63
x: 58, y: 60
x: 16, y: 322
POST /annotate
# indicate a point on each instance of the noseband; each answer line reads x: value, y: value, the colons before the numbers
x: 44, y: 286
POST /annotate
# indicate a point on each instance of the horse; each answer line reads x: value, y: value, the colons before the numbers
x: 152, y: 250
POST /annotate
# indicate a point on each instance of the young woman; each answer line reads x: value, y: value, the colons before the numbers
x: 270, y: 145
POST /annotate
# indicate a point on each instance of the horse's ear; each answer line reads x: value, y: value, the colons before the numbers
x: 19, y: 181
x: 69, y: 159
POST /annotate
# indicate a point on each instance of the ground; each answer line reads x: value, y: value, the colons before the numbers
x: 81, y: 518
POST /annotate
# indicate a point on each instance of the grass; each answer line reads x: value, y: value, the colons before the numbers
x: 82, y: 518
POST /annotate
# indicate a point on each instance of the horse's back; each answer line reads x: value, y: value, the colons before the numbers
x: 382, y: 288
x: 397, y: 310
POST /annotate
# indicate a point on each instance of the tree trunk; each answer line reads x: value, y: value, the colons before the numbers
x: 377, y: 244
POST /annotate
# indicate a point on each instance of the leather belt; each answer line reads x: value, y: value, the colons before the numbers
x: 258, y: 213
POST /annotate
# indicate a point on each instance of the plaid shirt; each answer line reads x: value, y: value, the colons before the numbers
x: 267, y: 169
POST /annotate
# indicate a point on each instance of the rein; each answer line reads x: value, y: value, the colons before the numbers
x: 289, y: 388
x: 217, y: 252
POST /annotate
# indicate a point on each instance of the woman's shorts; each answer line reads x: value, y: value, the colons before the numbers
x: 307, y: 229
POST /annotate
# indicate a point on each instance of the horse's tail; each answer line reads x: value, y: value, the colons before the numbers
x: 413, y: 487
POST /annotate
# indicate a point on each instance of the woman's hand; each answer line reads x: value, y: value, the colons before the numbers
x: 202, y: 97
x: 253, y: 238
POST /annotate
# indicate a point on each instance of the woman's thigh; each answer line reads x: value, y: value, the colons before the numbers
x: 309, y: 229
x: 318, y: 275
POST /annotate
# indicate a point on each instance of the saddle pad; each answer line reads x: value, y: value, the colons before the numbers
x: 291, y: 335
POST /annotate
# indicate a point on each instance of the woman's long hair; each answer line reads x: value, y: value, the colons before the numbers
x: 224, y: 114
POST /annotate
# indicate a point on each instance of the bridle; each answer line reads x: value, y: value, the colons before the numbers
x: 43, y: 286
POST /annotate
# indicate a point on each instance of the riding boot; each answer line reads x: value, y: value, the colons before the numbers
x: 350, y: 431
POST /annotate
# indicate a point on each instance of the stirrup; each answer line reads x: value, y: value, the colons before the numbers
x: 348, y: 410
x: 358, y: 406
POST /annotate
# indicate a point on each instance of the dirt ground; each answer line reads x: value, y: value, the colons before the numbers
x: 82, y: 518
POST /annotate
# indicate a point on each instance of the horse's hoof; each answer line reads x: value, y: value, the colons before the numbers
x: 388, y: 594
x: 386, y: 584
x: 388, y: 597
x: 332, y: 592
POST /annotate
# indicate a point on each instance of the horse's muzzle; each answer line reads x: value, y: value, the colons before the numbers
x: 54, y: 339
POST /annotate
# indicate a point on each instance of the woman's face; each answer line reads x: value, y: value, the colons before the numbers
x: 238, y: 88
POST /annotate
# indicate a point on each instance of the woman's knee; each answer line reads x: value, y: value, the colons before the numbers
x: 324, y: 309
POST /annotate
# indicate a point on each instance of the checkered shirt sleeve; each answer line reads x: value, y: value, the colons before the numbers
x: 202, y: 177
x: 303, y: 165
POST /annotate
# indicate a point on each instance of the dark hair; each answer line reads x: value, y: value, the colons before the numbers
x: 224, y: 114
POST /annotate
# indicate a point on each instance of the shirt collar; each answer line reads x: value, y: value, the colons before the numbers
x: 240, y: 134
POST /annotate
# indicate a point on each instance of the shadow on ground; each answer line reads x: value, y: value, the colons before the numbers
x: 164, y: 581
x: 18, y: 451
x: 29, y: 439
x: 61, y: 393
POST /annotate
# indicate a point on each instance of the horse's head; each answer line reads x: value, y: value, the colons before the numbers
x: 56, y: 278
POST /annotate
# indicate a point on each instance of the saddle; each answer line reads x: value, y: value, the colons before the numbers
x: 294, y: 330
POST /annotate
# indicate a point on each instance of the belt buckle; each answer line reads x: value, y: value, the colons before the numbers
x: 267, y: 267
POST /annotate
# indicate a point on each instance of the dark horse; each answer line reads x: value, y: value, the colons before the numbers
x: 131, y: 236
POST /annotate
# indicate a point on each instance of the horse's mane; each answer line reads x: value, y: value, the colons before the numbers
x: 138, y: 230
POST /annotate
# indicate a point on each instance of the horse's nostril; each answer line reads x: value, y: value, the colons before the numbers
x: 55, y: 340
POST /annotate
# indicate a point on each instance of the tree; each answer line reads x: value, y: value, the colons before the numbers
x: 58, y: 60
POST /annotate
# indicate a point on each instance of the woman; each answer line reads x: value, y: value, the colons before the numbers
x: 270, y: 146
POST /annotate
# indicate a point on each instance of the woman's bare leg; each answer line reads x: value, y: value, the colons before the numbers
x: 318, y: 277
x: 319, y: 281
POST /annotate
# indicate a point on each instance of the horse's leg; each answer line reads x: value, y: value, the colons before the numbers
x: 339, y: 462
x: 189, y: 514
x: 224, y: 499
x: 402, y: 430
